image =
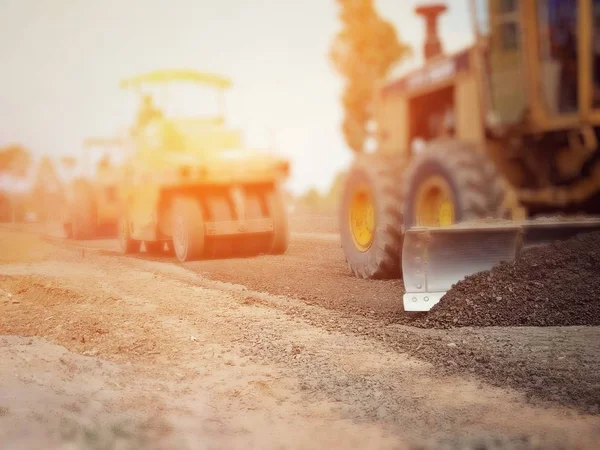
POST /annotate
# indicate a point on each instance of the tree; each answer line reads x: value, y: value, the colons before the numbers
x: 336, y: 189
x: 311, y: 198
x: 15, y: 160
x: 68, y: 162
x: 48, y: 193
x: 363, y: 51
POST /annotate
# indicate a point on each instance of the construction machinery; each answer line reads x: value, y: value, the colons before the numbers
x: 473, y: 146
x: 190, y: 183
x: 92, y: 208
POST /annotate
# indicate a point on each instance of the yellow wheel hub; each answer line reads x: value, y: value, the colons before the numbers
x: 435, y: 205
x: 362, y: 218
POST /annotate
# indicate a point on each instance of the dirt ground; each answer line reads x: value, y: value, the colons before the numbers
x: 269, y: 352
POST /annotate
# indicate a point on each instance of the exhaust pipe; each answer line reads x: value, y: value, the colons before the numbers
x: 431, y: 13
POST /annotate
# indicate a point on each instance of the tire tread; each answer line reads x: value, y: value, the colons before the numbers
x: 383, y: 262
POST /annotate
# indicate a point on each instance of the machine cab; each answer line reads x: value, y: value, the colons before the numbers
x: 177, y: 112
x: 536, y: 64
x: 543, y: 61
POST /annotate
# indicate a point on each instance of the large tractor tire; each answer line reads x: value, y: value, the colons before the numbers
x: 370, y: 217
x: 452, y: 182
x: 188, y: 229
x: 127, y: 244
x: 83, y: 216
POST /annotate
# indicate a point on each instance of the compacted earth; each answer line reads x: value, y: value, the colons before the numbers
x: 99, y: 350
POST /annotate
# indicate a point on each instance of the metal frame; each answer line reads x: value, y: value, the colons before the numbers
x: 166, y: 77
x: 543, y: 119
x: 177, y: 75
x: 106, y: 144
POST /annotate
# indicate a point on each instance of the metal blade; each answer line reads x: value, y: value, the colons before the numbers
x: 543, y: 231
x: 433, y: 259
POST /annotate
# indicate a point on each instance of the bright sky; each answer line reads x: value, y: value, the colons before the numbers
x: 61, y: 62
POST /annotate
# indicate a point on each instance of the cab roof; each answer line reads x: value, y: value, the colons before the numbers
x: 177, y: 75
x: 102, y: 142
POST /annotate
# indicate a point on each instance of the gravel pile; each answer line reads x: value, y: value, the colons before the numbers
x: 503, y: 443
x: 551, y: 285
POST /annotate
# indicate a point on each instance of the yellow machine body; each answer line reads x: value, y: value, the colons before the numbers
x: 506, y: 129
x: 172, y: 157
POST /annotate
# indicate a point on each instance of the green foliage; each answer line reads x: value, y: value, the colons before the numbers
x: 362, y: 52
x: 48, y: 192
x: 69, y: 162
x: 336, y: 188
x: 312, y: 198
x: 315, y: 200
x: 14, y: 160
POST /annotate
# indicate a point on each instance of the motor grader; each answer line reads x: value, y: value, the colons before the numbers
x: 190, y: 184
x: 474, y: 147
x: 92, y: 197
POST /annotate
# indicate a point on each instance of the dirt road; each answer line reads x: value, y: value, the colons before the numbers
x: 285, y: 352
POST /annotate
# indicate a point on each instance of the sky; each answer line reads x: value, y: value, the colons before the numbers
x: 61, y: 62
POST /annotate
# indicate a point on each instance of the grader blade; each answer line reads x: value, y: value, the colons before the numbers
x: 433, y: 259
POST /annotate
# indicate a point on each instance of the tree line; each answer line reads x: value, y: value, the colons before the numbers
x: 363, y: 52
x: 45, y: 192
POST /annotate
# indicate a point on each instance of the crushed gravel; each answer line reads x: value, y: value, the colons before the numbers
x: 550, y: 285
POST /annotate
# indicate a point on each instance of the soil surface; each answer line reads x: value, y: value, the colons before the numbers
x: 551, y: 285
x: 316, y: 222
x: 267, y: 352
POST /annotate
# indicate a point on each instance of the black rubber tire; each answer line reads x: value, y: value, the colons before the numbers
x: 382, y: 174
x: 83, y: 215
x: 219, y: 210
x: 478, y: 188
x: 280, y: 239
x: 268, y: 204
x: 127, y: 245
x: 254, y: 244
x: 188, y: 229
